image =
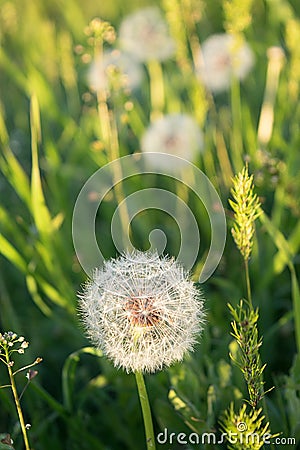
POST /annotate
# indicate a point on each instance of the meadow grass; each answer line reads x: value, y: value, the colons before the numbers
x: 55, y: 132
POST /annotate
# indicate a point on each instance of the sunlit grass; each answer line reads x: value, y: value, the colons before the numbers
x: 55, y: 132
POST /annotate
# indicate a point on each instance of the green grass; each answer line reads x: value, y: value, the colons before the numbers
x: 51, y: 142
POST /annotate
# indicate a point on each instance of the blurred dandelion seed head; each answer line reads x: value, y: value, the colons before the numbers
x: 223, y: 57
x: 142, y: 311
x: 115, y: 70
x: 175, y: 134
x: 145, y: 35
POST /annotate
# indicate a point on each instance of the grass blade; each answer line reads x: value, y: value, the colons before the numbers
x: 9, y: 251
x: 40, y: 211
x: 283, y: 246
x: 68, y: 373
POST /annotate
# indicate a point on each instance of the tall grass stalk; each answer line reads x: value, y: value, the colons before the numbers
x: 103, y: 31
x: 248, y: 285
x: 157, y: 89
x: 266, y: 120
x: 143, y: 395
x: 236, y: 140
x: 247, y: 208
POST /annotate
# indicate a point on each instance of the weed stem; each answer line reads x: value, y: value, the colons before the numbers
x: 17, y: 401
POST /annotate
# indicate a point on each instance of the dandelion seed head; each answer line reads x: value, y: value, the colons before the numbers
x: 142, y: 311
x: 175, y: 134
x: 145, y: 35
x: 224, y: 56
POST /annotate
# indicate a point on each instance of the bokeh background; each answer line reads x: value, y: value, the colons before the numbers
x: 52, y: 141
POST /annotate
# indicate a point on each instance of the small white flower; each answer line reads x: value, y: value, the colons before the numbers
x: 24, y: 344
x: 223, y: 57
x: 142, y: 311
x: 114, y: 68
x: 175, y: 134
x: 145, y: 35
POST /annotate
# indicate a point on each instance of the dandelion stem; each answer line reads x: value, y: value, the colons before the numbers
x: 17, y: 401
x: 150, y: 440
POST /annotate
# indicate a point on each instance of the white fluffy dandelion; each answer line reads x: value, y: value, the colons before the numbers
x: 142, y: 311
x: 175, y: 134
x: 115, y: 68
x: 224, y: 57
x: 145, y: 35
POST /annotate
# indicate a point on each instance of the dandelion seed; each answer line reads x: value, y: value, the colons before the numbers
x: 115, y: 70
x: 175, y: 134
x: 145, y: 35
x: 223, y: 57
x: 142, y: 311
